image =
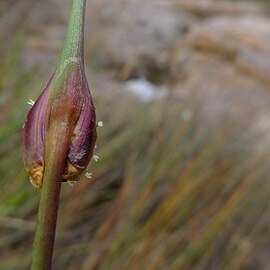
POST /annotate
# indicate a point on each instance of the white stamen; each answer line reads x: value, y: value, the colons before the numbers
x: 31, y: 102
x: 95, y: 146
x: 71, y: 183
x: 95, y: 158
x: 100, y: 124
x: 88, y: 175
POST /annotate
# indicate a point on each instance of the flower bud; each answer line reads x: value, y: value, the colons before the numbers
x: 65, y: 108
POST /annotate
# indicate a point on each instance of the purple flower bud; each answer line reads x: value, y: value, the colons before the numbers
x: 77, y: 98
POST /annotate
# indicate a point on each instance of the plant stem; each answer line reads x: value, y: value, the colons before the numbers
x: 49, y: 201
x: 74, y: 38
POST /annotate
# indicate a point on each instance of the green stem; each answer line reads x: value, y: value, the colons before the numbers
x: 73, y: 47
x: 55, y: 160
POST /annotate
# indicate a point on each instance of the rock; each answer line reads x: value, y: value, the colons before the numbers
x: 135, y: 34
x: 242, y: 40
x: 224, y: 61
x: 206, y: 8
x: 138, y: 36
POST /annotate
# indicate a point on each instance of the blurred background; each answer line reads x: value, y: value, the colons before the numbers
x: 183, y: 90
